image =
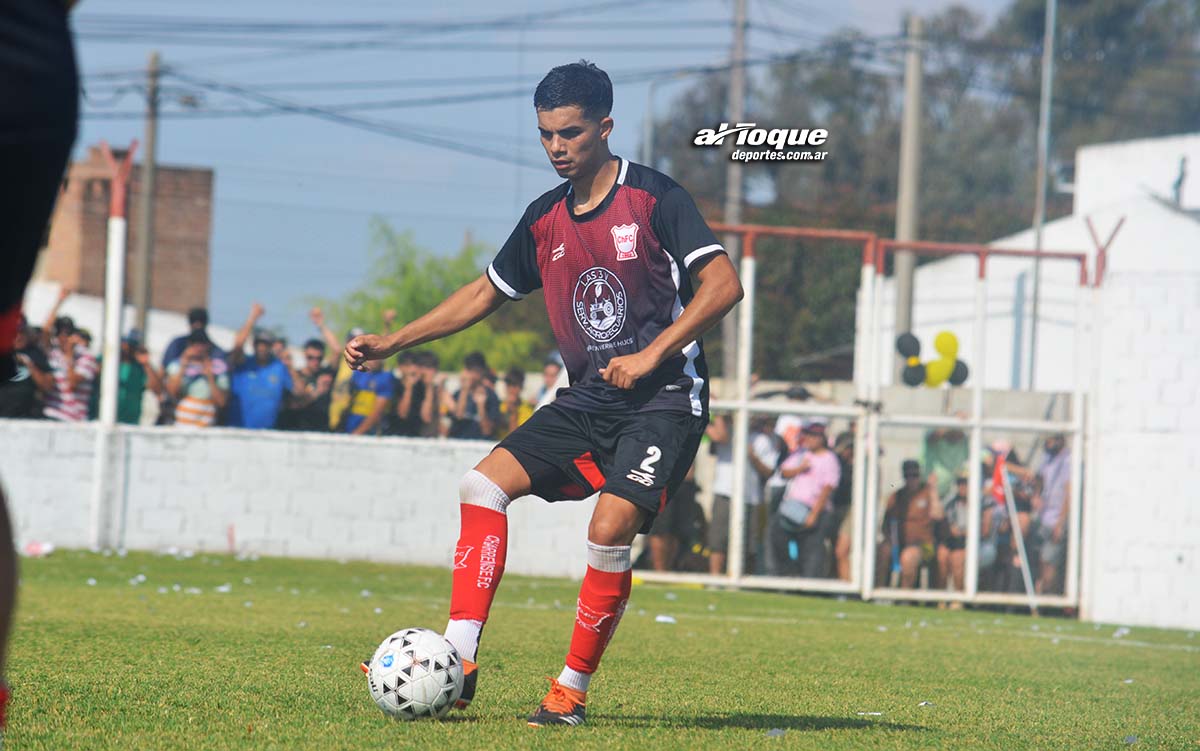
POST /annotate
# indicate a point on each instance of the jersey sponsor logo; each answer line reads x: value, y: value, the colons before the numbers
x: 460, y: 556
x: 625, y: 238
x: 588, y: 618
x: 599, y: 303
x: 558, y: 252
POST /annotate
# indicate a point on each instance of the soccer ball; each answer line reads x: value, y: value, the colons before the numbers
x: 415, y: 673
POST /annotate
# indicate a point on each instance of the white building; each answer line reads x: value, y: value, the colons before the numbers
x: 1141, y: 555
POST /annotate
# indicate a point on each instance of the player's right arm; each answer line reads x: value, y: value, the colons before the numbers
x: 467, y: 306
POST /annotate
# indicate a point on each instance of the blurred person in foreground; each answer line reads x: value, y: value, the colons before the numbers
x: 1052, y: 505
x: 909, y: 519
x: 39, y: 108
x: 514, y: 410
x: 198, y: 384
x: 615, y: 247
x: 31, y: 380
x: 550, y: 374
x: 135, y: 375
x: 812, y: 474
x: 260, y: 383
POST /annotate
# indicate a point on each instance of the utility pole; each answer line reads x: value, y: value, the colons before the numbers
x: 1039, y: 199
x: 145, y: 234
x: 907, y: 199
x: 733, y: 187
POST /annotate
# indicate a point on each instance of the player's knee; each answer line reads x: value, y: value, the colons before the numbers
x: 610, y: 531
x: 477, y: 489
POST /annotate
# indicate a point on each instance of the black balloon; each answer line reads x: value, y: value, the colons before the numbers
x: 913, y: 375
x: 958, y: 376
x: 908, y: 346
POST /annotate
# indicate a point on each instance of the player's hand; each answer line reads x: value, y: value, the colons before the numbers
x: 365, y: 347
x: 624, y: 372
x: 389, y: 316
x: 256, y: 311
x: 318, y: 316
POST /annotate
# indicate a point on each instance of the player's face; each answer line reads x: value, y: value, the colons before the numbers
x: 575, y: 145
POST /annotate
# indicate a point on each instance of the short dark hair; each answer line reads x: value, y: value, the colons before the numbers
x: 198, y: 315
x: 427, y: 359
x: 315, y: 344
x: 581, y: 84
x: 910, y: 467
x: 63, y: 326
x: 515, y: 377
x: 406, y: 357
x: 476, y: 361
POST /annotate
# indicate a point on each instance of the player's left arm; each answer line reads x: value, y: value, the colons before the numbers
x: 720, y: 289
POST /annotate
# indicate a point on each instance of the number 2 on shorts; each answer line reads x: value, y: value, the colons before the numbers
x: 645, y: 474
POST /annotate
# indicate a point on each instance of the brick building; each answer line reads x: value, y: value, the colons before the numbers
x: 179, y: 264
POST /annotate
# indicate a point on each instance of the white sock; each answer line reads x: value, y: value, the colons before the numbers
x: 574, y: 679
x: 464, y: 636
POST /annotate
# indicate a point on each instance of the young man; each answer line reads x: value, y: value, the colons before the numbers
x: 198, y: 383
x: 612, y: 247
x: 260, y: 383
x: 514, y: 410
x: 909, y: 519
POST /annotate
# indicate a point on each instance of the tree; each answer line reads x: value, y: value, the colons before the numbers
x: 1125, y: 69
x: 411, y: 281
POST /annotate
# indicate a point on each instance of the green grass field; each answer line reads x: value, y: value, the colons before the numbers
x: 172, y: 662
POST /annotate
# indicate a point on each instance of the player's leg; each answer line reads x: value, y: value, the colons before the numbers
x: 602, y: 598
x: 483, y: 494
x: 528, y: 460
x: 645, y: 458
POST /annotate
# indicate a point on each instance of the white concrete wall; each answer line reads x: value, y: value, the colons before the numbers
x: 302, y: 495
x: 1142, y: 564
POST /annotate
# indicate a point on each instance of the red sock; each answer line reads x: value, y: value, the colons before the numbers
x: 478, y: 562
x: 602, y: 599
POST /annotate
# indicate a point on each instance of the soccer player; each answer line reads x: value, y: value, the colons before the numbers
x: 614, y: 247
x: 39, y: 102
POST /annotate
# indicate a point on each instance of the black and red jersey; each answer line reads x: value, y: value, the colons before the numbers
x: 615, y: 277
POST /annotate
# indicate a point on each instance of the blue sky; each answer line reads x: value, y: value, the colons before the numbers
x: 294, y: 194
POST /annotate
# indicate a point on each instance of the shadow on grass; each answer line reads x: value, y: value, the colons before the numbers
x: 760, y: 722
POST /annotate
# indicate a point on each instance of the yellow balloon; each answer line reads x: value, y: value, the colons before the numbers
x: 937, y: 371
x: 946, y: 344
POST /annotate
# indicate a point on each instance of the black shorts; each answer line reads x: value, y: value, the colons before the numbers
x: 641, y: 457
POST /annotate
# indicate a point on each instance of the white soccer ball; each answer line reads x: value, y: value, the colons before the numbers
x: 415, y: 673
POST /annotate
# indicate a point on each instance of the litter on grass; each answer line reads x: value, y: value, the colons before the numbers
x: 664, y: 619
x: 870, y: 714
x: 224, y: 588
x: 926, y: 704
x: 775, y: 732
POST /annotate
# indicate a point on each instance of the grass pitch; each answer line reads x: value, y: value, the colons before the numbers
x: 154, y: 652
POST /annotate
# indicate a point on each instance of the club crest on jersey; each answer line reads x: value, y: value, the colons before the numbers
x: 599, y: 303
x: 625, y: 238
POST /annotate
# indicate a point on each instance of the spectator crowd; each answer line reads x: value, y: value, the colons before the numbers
x: 798, y: 485
x: 256, y: 384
